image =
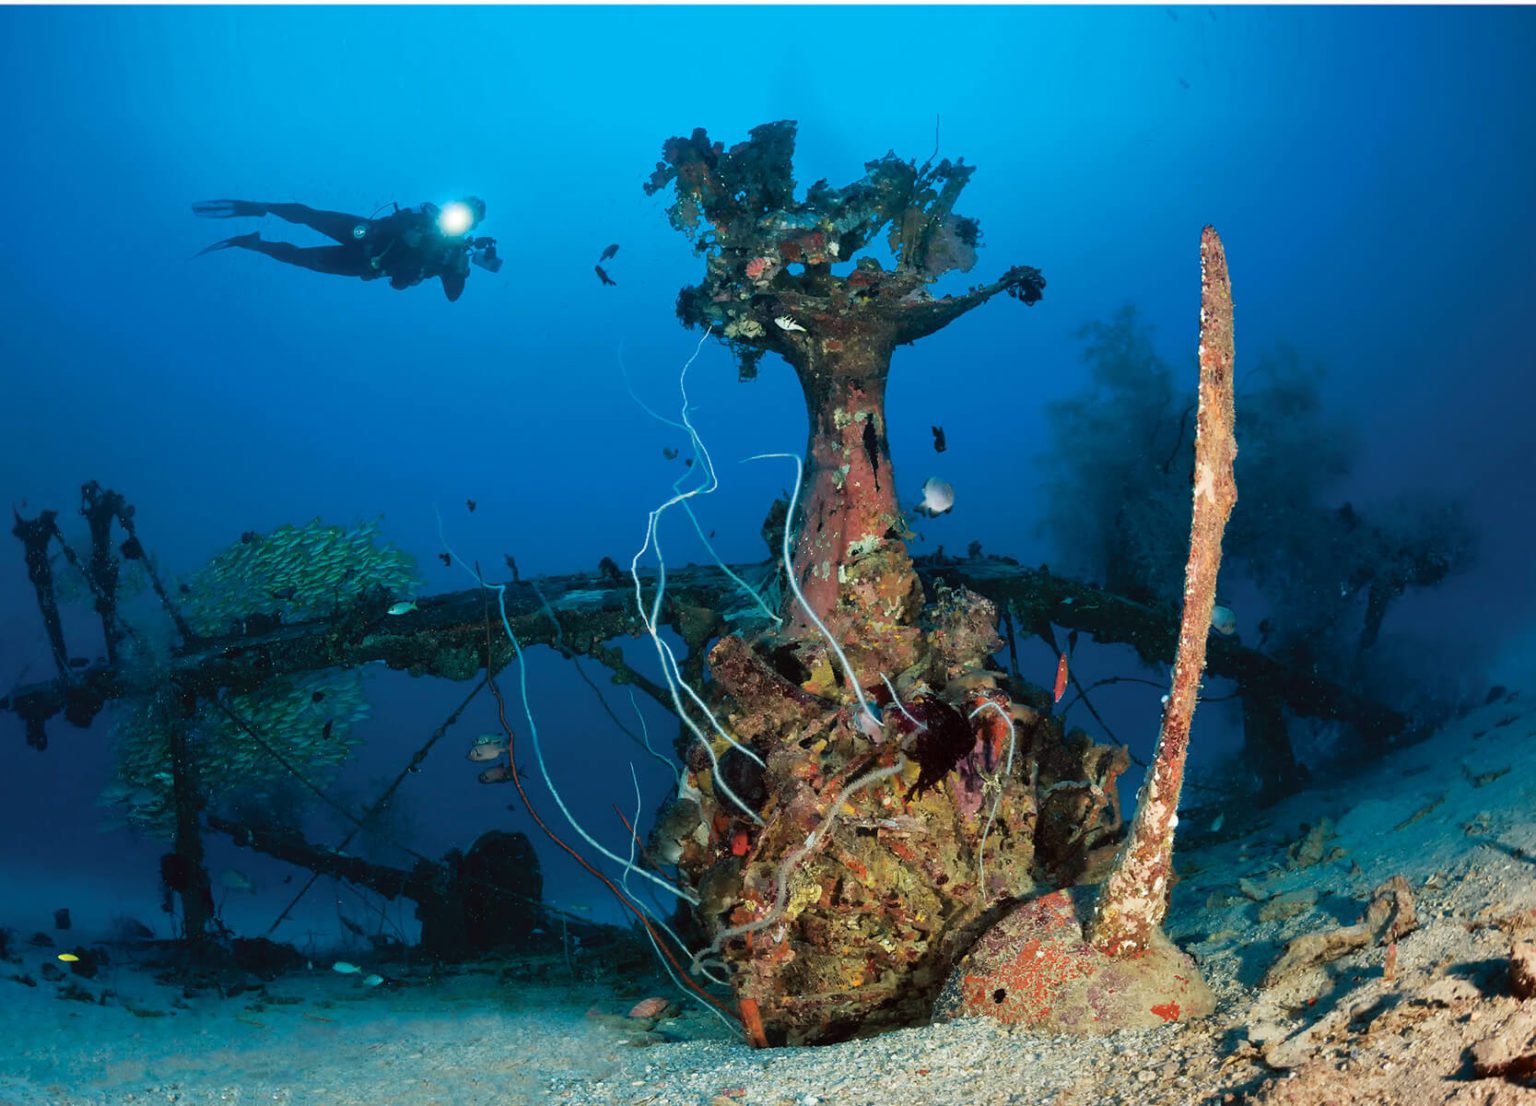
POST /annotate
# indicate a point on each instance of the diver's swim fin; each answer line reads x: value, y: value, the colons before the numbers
x: 228, y: 243
x: 228, y: 209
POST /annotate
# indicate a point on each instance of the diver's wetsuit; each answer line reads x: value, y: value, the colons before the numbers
x: 407, y: 246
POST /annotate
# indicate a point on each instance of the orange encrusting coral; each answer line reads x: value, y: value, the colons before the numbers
x: 1036, y: 969
x: 1023, y: 990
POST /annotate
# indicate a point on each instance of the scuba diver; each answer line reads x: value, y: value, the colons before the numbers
x: 408, y: 246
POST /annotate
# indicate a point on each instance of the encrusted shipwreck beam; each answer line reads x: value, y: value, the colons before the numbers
x: 1041, y: 598
x: 446, y: 637
x: 468, y: 903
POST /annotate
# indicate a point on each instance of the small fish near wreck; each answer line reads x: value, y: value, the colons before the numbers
x: 487, y: 747
x: 405, y: 606
x: 938, y: 498
x: 1223, y: 620
x: 501, y: 773
x: 651, y: 1008
x: 232, y: 880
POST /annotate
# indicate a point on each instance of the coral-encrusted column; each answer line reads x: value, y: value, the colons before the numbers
x: 849, y: 557
x: 863, y: 850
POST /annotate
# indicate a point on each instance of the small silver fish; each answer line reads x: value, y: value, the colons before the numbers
x: 483, y: 750
x: 345, y: 968
x: 372, y: 980
x: 405, y: 606
x: 235, y: 881
x: 1223, y: 620
x: 787, y: 322
x: 938, y: 498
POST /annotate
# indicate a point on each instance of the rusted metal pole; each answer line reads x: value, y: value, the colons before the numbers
x: 1134, y: 899
x: 35, y: 534
x: 188, y: 802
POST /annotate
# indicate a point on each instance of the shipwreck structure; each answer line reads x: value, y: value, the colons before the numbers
x: 864, y: 791
x: 865, y: 804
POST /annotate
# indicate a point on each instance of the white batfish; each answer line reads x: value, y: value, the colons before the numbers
x: 1223, y: 621
x: 938, y: 498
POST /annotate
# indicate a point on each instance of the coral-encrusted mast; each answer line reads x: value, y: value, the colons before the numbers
x: 828, y: 929
x: 769, y: 287
x: 1134, y: 899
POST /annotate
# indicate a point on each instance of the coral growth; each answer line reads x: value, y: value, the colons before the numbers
x: 895, y: 809
x: 887, y: 801
x: 884, y: 850
x: 769, y: 286
x: 1036, y: 969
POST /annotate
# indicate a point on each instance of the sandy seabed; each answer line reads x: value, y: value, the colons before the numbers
x: 1454, y: 815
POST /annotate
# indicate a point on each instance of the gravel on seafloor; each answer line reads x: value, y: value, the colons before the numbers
x: 967, y: 1063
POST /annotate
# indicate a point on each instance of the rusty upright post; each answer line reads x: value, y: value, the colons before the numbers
x: 35, y: 534
x: 1134, y: 899
x: 187, y: 840
x: 101, y: 508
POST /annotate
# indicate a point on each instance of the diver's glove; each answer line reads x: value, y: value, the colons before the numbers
x: 228, y: 209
